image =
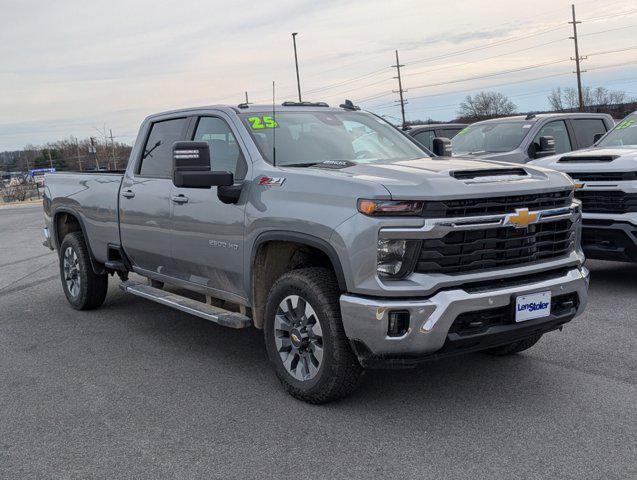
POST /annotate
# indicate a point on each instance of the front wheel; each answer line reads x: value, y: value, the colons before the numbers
x: 84, y: 289
x: 305, y: 339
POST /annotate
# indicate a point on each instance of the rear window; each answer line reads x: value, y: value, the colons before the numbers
x: 586, y: 129
x: 157, y: 158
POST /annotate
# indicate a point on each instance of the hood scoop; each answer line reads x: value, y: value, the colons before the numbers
x: 587, y: 158
x: 486, y: 175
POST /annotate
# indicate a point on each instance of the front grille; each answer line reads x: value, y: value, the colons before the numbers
x: 472, y: 323
x: 607, y: 201
x: 471, y: 207
x: 603, y: 176
x: 501, y: 247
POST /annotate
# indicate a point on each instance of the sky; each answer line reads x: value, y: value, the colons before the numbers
x: 78, y: 68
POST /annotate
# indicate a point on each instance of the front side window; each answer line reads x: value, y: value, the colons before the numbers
x: 586, y: 129
x: 623, y: 135
x: 426, y: 138
x: 490, y: 137
x: 225, y: 154
x: 157, y: 157
x: 557, y: 130
x: 307, y: 138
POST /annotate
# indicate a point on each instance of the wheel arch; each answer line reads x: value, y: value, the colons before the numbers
x: 67, y: 220
x: 293, y: 249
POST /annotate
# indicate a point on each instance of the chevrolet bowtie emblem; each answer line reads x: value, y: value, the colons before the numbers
x: 521, y: 218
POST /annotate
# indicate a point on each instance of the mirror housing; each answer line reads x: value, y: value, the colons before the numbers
x: 547, y: 147
x: 442, y: 147
x: 191, y: 167
x: 597, y: 137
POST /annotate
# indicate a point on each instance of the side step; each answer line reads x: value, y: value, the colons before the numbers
x: 200, y: 309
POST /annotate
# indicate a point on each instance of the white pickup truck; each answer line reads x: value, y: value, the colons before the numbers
x: 605, y: 176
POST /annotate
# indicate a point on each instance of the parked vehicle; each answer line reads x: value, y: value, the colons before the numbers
x: 326, y: 228
x: 425, y: 134
x: 606, y: 179
x: 520, y: 139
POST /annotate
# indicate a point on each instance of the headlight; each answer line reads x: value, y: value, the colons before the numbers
x: 388, y: 208
x: 396, y: 258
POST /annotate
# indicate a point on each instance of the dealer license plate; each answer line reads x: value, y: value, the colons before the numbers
x: 536, y: 305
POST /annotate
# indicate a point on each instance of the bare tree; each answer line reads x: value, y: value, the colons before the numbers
x: 567, y: 99
x: 486, y: 104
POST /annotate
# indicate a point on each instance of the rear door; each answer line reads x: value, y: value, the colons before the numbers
x: 207, y: 234
x: 145, y: 198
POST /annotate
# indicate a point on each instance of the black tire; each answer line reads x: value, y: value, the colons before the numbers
x: 339, y: 371
x: 515, y: 347
x: 91, y: 289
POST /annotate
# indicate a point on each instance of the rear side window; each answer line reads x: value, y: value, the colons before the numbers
x: 157, y: 158
x: 557, y: 130
x: 586, y: 129
x: 426, y: 138
x: 448, y: 132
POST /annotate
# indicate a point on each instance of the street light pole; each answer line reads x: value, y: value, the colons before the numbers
x: 296, y: 63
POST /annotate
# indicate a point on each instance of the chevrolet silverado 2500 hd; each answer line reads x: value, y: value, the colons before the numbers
x: 328, y: 229
x: 606, y: 181
x: 520, y: 139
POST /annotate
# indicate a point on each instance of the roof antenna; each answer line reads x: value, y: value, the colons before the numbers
x: 274, y: 129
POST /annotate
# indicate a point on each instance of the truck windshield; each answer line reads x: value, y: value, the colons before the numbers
x: 623, y: 135
x: 308, y: 138
x: 491, y: 137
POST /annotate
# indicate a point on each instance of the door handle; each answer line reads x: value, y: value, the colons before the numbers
x: 128, y: 194
x: 179, y: 198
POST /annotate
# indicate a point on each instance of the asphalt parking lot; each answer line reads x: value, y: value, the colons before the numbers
x: 137, y: 390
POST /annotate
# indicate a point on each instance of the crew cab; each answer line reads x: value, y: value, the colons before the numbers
x: 520, y: 139
x: 329, y: 229
x: 605, y: 176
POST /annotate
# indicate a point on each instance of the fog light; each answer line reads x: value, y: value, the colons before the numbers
x: 398, y: 323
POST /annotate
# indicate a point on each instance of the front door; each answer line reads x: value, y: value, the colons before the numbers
x: 145, y: 199
x: 207, y: 234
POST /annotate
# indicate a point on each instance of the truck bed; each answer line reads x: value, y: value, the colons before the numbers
x: 93, y: 196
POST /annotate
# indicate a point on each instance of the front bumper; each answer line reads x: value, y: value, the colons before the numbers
x: 365, y: 319
x: 609, y: 239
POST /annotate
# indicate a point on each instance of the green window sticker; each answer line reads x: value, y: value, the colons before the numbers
x: 463, y: 131
x: 259, y: 123
x: 625, y: 124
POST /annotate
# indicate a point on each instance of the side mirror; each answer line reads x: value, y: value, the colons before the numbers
x: 547, y: 147
x: 597, y: 137
x: 191, y: 167
x: 441, y: 147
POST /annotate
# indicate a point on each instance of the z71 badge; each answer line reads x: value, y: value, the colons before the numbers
x: 272, y: 181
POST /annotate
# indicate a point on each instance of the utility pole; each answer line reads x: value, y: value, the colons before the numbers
x: 296, y: 63
x: 577, y: 59
x: 93, y: 150
x: 400, y: 90
x: 77, y: 149
x: 50, y: 159
x: 113, y: 149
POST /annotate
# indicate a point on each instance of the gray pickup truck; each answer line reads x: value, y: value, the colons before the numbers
x: 520, y: 139
x: 328, y: 229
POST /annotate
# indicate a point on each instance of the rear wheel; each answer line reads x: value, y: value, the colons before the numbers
x: 84, y: 289
x: 305, y: 339
x: 515, y: 347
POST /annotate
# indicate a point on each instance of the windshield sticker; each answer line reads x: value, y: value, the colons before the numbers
x: 625, y: 124
x: 463, y: 131
x: 259, y: 123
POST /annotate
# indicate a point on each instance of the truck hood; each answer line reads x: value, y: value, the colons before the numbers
x: 594, y: 159
x: 453, y: 177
